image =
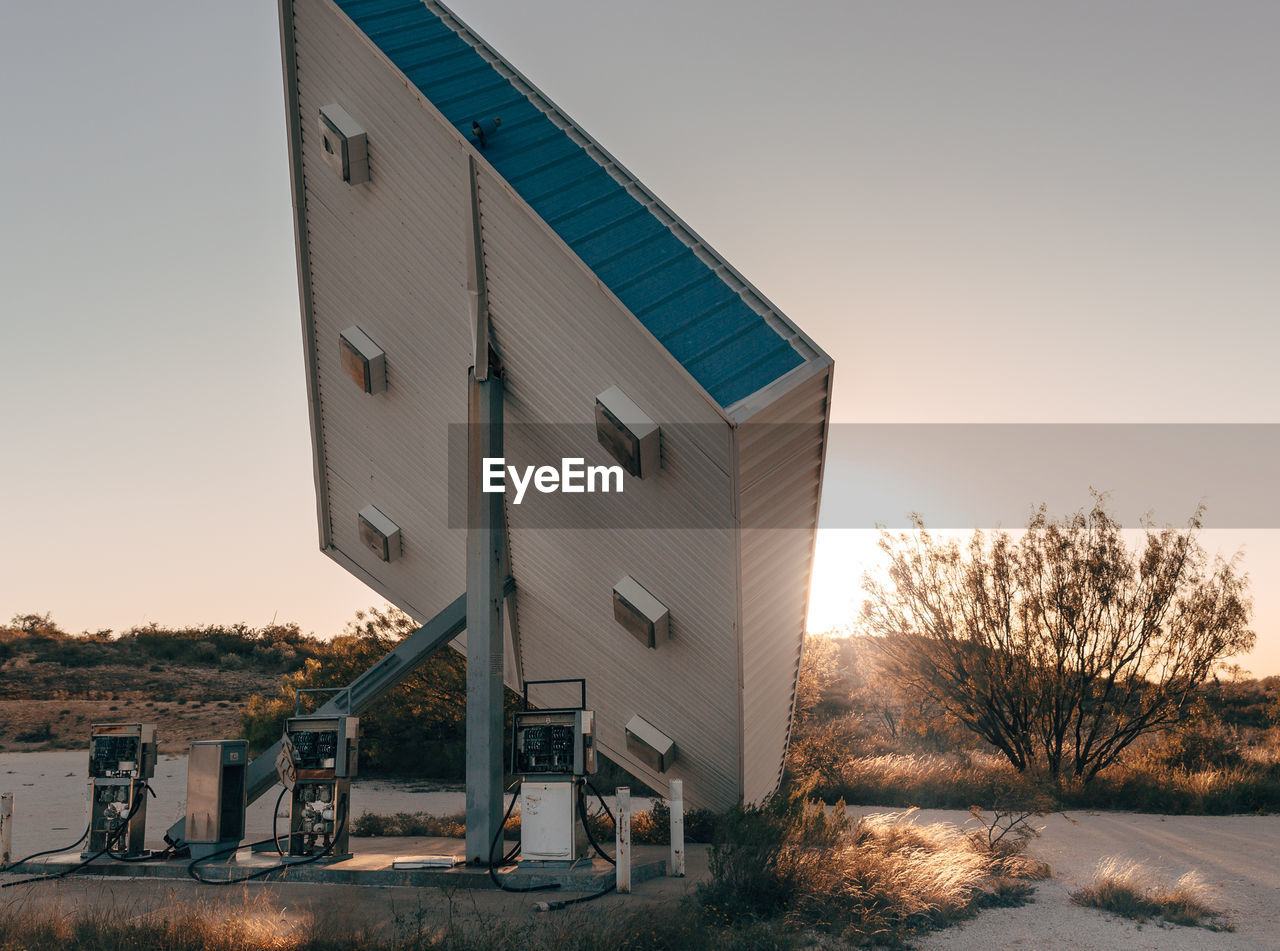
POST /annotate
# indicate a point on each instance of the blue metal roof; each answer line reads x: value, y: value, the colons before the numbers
x: 727, y: 347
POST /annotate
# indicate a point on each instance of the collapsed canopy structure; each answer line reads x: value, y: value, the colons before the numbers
x: 430, y: 180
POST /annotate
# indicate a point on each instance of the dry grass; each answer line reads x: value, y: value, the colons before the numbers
x: 251, y: 921
x: 1139, y: 783
x: 891, y: 871
x: 1133, y: 890
x: 925, y: 780
x: 243, y: 921
x: 410, y: 824
x: 879, y: 879
x: 787, y: 875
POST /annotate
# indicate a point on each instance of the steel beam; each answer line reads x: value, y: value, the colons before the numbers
x: 486, y: 574
x: 408, y: 656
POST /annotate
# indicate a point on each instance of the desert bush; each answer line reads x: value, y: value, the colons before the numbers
x: 274, y: 648
x: 1060, y: 649
x: 877, y: 746
x: 652, y: 826
x: 1251, y: 787
x: 880, y: 878
x: 1133, y: 890
x: 417, y: 728
x: 409, y: 824
x: 751, y: 862
x: 1205, y: 743
x: 38, y: 734
x: 930, y: 781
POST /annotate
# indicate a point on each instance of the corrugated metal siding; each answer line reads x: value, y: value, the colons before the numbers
x: 780, y: 465
x: 728, y: 347
x: 379, y: 257
x: 570, y: 340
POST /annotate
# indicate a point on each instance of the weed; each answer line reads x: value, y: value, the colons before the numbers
x: 877, y: 879
x: 1133, y: 890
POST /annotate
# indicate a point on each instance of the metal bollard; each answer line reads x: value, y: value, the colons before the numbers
x: 622, y: 841
x: 677, y: 829
x: 6, y: 828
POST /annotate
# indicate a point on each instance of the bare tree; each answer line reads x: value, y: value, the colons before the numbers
x: 1059, y: 648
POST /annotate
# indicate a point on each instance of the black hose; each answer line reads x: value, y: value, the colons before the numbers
x: 227, y: 851
x: 275, y: 821
x: 138, y: 799
x: 35, y: 855
x: 264, y: 872
x: 493, y: 847
x: 152, y: 857
x: 603, y: 805
x: 556, y: 905
x: 582, y: 812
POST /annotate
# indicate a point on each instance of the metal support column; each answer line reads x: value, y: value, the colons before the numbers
x: 485, y: 590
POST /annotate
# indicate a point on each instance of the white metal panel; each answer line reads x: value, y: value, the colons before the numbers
x: 379, y: 256
x: 564, y: 339
x: 780, y: 464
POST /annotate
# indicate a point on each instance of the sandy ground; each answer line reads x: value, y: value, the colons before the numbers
x: 50, y: 801
x: 1239, y: 856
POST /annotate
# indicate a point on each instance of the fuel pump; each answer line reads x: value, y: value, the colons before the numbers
x: 552, y: 751
x: 215, y: 796
x: 122, y: 757
x: 318, y: 762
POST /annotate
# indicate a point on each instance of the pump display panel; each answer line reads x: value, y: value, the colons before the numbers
x: 114, y: 756
x: 553, y: 743
x: 315, y: 749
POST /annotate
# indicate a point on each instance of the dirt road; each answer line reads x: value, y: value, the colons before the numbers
x: 1238, y: 856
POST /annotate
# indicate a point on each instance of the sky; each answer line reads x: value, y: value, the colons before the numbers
x: 985, y: 212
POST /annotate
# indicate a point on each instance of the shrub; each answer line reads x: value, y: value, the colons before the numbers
x: 1204, y: 745
x: 40, y: 734
x: 879, y: 878
x: 751, y: 871
x: 416, y: 728
x: 409, y: 824
x: 1133, y: 890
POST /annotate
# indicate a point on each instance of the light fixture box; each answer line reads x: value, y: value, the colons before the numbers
x: 630, y: 436
x: 644, y: 616
x: 650, y: 745
x: 363, y: 360
x: 379, y: 534
x: 345, y: 144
